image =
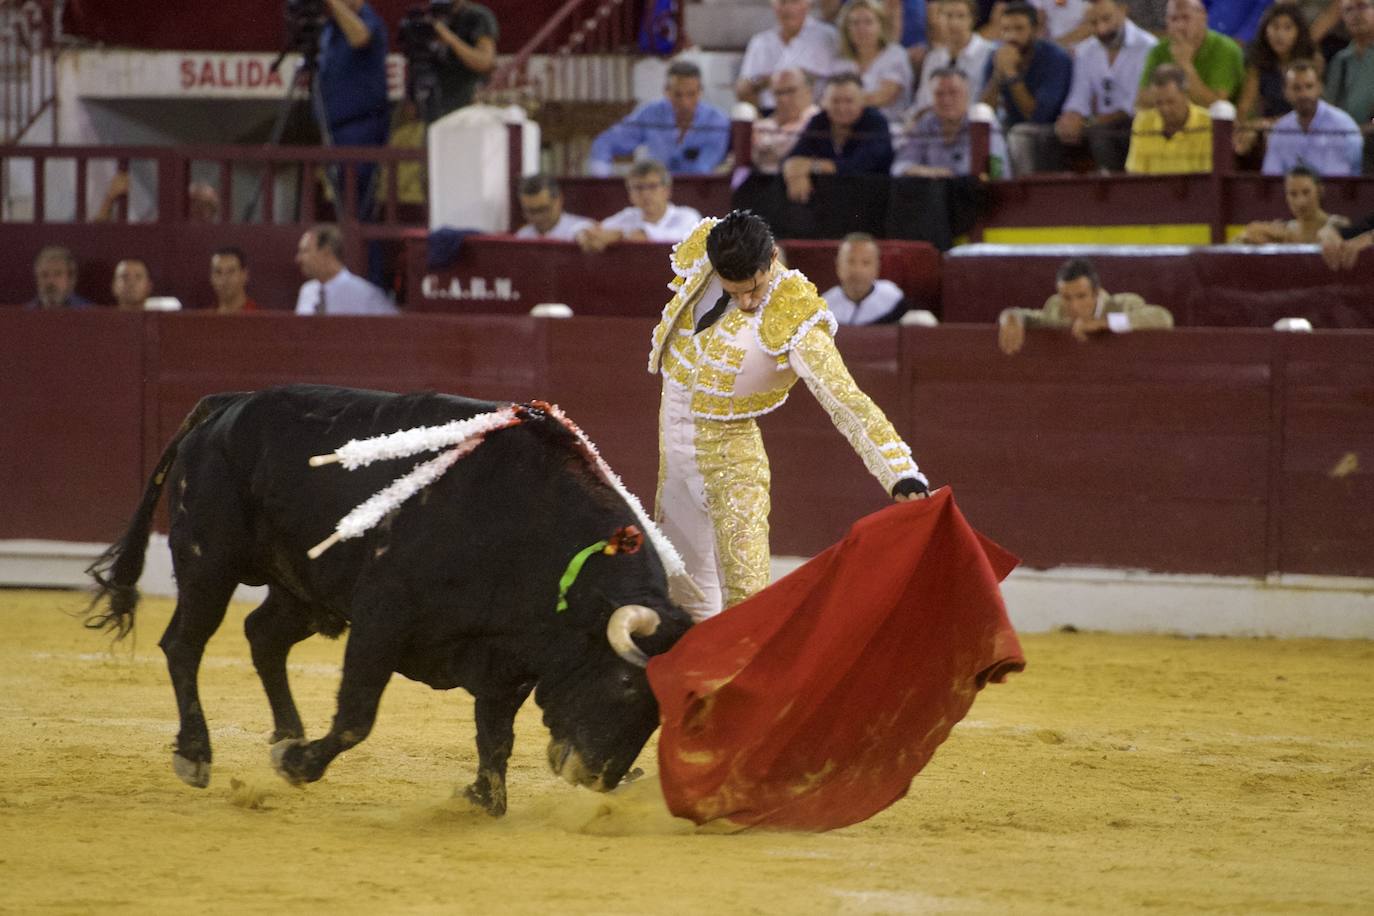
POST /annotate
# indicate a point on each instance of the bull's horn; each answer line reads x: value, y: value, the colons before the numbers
x: 626, y: 623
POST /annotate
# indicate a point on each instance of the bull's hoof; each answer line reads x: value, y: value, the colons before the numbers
x: 287, y: 760
x: 480, y: 796
x: 195, y: 773
x: 280, y: 735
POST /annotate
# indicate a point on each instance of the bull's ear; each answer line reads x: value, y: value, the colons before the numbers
x: 624, y: 625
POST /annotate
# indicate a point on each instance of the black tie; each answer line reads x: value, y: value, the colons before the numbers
x: 715, y: 312
x: 319, y: 305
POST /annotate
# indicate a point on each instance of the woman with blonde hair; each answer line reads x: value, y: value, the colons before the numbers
x: 867, y: 48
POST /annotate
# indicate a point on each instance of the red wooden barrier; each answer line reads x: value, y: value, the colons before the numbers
x: 1229, y: 452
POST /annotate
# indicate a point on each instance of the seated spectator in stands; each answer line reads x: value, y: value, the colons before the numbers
x: 798, y: 41
x: 774, y: 136
x: 541, y: 202
x: 1064, y: 22
x: 1341, y: 247
x: 131, y: 285
x: 689, y: 136
x: 1213, y: 63
x: 861, y: 296
x: 1027, y: 80
x: 846, y: 138
x: 1173, y: 137
x: 1083, y: 307
x: 1106, y: 71
x: 1302, y: 188
x: 330, y: 288
x: 960, y: 48
x: 868, y: 49
x: 1350, y: 77
x: 651, y: 216
x: 937, y: 144
x: 1315, y: 134
x: 1282, y: 38
x: 229, y: 279
x: 54, y: 277
x: 468, y: 36
x: 907, y: 21
x: 352, y: 86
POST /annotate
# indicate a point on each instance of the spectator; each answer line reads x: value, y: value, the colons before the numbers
x: 960, y: 47
x: 867, y: 48
x: 775, y: 135
x: 1282, y: 38
x: 1106, y: 70
x: 1302, y: 188
x: 1315, y: 134
x: 798, y: 41
x: 907, y: 22
x: 1027, y: 78
x: 1173, y: 137
x: 54, y: 277
x: 1064, y: 22
x: 329, y: 287
x: 468, y: 35
x: 229, y: 279
x: 541, y: 202
x: 846, y: 138
x: 861, y: 297
x: 680, y: 130
x: 1350, y: 78
x: 352, y: 85
x: 202, y: 201
x: 1213, y: 63
x: 1083, y: 307
x: 937, y: 144
x: 1341, y: 247
x: 131, y: 285
x: 651, y: 216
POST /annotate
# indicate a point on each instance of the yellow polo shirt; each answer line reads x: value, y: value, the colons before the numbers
x: 1189, y: 150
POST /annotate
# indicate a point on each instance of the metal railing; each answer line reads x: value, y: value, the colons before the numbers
x: 571, y: 61
x: 28, y: 85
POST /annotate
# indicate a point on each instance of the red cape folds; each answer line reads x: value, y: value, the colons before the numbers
x: 813, y: 704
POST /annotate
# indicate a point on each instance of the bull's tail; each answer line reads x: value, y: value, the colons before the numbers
x: 116, y: 572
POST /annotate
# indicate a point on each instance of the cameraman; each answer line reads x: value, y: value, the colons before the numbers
x: 352, y: 83
x: 467, y: 34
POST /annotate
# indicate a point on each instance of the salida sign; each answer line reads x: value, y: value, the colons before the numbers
x: 230, y: 73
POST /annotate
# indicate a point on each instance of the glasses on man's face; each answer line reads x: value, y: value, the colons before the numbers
x: 787, y: 90
x: 1351, y: 9
x: 642, y: 187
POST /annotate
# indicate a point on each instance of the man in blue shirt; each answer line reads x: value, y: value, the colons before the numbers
x: 689, y: 136
x: 54, y: 276
x: 351, y: 84
x: 1314, y: 134
x: 1027, y: 80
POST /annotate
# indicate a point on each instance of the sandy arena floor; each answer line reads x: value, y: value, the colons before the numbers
x: 1116, y: 774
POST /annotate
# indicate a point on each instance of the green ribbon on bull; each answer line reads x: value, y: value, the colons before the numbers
x: 574, y: 568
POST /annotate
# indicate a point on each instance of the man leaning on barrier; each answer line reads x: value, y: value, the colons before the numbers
x: 1083, y: 308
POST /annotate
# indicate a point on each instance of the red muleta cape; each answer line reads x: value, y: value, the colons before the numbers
x: 814, y: 703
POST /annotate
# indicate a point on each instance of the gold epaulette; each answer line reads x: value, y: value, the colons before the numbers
x: 793, y: 307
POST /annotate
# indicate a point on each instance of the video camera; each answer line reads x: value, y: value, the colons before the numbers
x: 423, y: 49
x: 305, y: 21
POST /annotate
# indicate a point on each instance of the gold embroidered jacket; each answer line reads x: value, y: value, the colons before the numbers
x: 745, y: 364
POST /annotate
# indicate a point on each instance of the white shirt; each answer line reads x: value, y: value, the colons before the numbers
x: 877, y: 305
x: 892, y: 65
x: 565, y: 230
x: 812, y: 50
x: 1061, y: 17
x: 345, y: 294
x: 1099, y: 87
x: 674, y: 226
x: 971, y: 62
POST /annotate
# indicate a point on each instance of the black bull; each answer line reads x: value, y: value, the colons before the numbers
x: 457, y: 588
